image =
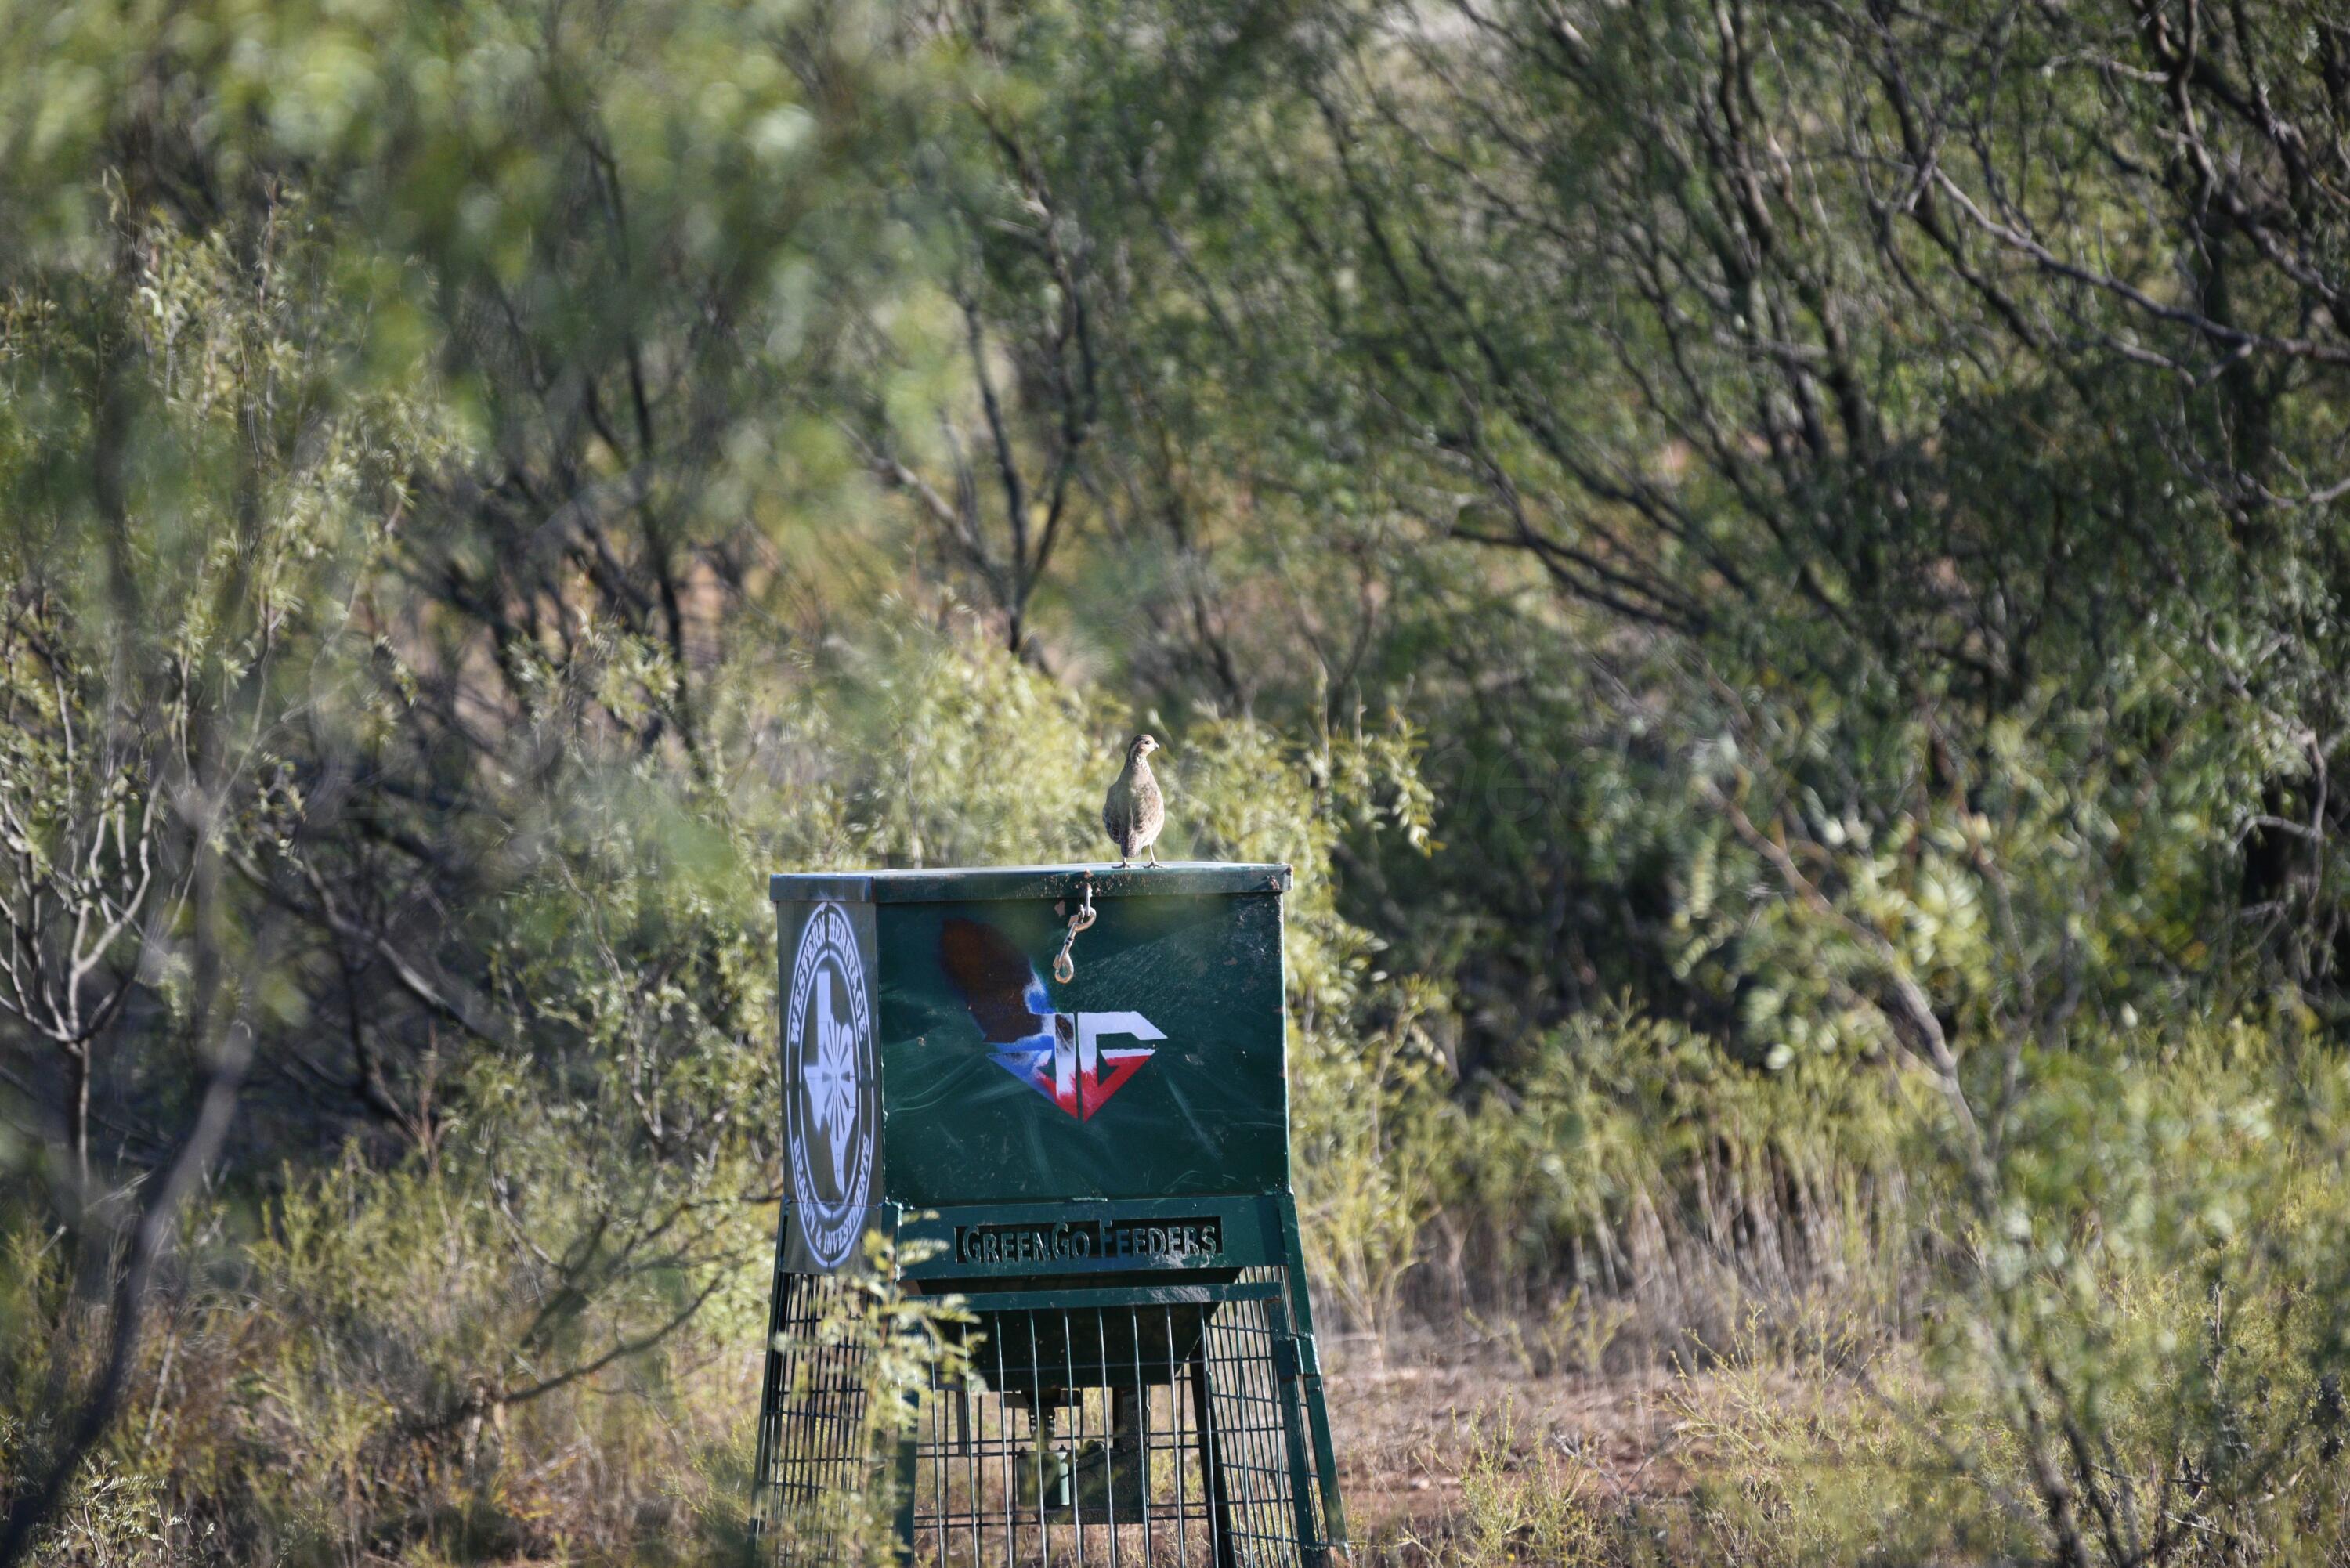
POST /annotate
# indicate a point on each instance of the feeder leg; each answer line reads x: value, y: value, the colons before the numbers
x: 1317, y: 1412
x: 1292, y: 1432
x: 905, y: 1543
x: 1211, y: 1458
x: 764, y: 1489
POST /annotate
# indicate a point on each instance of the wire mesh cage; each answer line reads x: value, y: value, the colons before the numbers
x: 1097, y: 1170
x: 1161, y: 1425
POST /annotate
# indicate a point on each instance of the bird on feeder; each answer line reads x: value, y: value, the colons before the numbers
x: 1135, y: 811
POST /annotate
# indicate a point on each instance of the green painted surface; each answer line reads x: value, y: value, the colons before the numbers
x: 1096, y: 1239
x: 1206, y: 1113
x: 1183, y: 878
x: 1066, y: 1155
x: 1155, y: 1075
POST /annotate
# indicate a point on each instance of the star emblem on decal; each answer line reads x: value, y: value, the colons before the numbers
x: 830, y: 1072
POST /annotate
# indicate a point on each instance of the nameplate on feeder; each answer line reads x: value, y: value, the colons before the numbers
x: 1084, y: 1242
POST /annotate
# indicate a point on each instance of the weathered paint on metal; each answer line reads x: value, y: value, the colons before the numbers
x: 1078, y: 1300
x: 964, y: 1075
x: 1171, y: 879
x: 1157, y: 1072
x: 1093, y: 1239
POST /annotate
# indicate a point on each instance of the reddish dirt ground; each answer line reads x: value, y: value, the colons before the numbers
x: 1407, y: 1417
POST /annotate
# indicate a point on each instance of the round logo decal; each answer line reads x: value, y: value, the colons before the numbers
x: 829, y: 1099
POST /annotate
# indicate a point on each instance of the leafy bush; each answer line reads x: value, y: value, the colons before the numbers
x: 538, y: 1331
x: 1776, y: 568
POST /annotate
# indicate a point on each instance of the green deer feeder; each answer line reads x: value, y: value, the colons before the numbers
x: 1061, y: 1089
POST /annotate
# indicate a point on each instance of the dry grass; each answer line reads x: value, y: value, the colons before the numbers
x: 1455, y: 1450
x: 1410, y: 1417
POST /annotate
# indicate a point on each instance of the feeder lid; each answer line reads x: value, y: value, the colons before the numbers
x: 1173, y: 879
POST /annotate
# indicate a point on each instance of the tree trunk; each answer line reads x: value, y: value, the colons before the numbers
x: 78, y: 1115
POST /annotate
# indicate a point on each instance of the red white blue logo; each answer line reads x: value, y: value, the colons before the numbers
x: 1067, y: 1057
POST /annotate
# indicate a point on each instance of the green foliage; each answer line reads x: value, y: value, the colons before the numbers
x: 571, y: 1263
x: 1775, y: 569
x: 1630, y: 1163
x: 1523, y: 1508
x: 906, y: 1346
x: 2139, y: 1370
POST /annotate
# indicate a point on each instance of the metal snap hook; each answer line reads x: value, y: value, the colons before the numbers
x: 1065, y: 968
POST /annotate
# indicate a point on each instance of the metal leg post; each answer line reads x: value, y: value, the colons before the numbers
x: 1212, y: 1459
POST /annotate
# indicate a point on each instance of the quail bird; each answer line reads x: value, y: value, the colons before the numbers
x: 1135, y: 811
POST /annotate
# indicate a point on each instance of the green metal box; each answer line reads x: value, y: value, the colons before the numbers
x: 1062, y: 1091
x: 932, y: 1064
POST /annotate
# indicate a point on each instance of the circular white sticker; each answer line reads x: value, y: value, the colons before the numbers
x: 828, y: 1080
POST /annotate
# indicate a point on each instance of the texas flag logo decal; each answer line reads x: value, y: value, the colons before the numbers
x: 1064, y: 1056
